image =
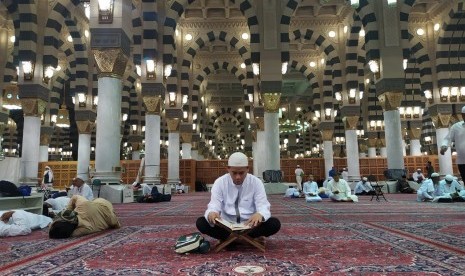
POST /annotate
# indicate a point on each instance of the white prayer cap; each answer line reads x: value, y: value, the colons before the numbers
x: 434, y: 175
x: 238, y: 159
x: 298, y: 166
x: 47, y: 167
x: 365, y: 179
x: 449, y: 177
x: 463, y: 109
x: 418, y: 169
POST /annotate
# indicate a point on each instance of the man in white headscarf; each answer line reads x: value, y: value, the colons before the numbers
x: 47, y: 179
x: 299, y: 173
x: 238, y: 197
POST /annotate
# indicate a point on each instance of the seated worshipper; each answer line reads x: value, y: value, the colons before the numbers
x: 325, y: 183
x: 426, y: 190
x: 92, y: 216
x: 20, y: 222
x: 450, y: 189
x: 54, y: 205
x: 416, y: 175
x: 404, y: 186
x: 292, y: 192
x: 311, y: 190
x: 238, y: 197
x: 180, y: 188
x: 338, y: 190
x: 81, y: 188
x: 363, y: 187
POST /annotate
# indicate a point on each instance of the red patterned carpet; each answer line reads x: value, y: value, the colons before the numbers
x: 397, y: 237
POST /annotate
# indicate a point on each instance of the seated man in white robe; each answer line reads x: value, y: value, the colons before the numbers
x: 81, y: 188
x: 363, y: 187
x: 311, y: 190
x: 20, y: 222
x: 449, y: 190
x: 180, y: 188
x: 339, y: 190
x: 426, y: 190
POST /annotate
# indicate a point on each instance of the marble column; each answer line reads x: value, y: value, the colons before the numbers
x: 33, y: 108
x: 371, y: 147
x: 45, y: 137
x: 152, y: 138
x: 271, y: 118
x: 353, y: 167
x: 415, y: 145
x: 85, y: 128
x: 441, y: 122
x: 261, y: 146
x: 173, y: 151
x: 328, y: 153
x: 186, y: 145
x: 390, y: 101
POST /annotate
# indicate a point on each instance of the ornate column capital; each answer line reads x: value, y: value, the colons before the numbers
x: 45, y: 139
x: 390, y: 100
x: 111, y: 62
x: 186, y: 137
x: 152, y: 104
x: 441, y: 120
x: 173, y: 124
x: 414, y: 133
x: 327, y: 134
x: 33, y: 107
x: 260, y: 121
x: 381, y: 142
x: 271, y: 101
x: 362, y: 147
x: 136, y: 146
x: 85, y: 126
x: 372, y: 142
x: 350, y: 122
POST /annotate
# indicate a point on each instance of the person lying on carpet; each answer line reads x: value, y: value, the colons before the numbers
x: 311, y: 190
x: 427, y: 189
x: 20, y: 222
x: 81, y: 188
x: 238, y: 197
x: 93, y: 216
x: 338, y: 190
x: 56, y: 205
x: 292, y: 192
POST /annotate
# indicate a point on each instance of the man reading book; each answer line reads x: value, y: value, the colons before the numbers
x: 238, y: 197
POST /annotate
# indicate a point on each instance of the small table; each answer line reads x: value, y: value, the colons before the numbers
x: 241, y: 235
x: 378, y: 192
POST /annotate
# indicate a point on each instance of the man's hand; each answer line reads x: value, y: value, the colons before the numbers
x: 254, y: 220
x: 6, y: 216
x: 443, y: 150
x: 212, y: 216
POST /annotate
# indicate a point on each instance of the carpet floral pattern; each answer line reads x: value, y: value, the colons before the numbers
x: 368, y: 238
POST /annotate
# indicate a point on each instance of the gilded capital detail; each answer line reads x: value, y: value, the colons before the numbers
x: 271, y: 102
x: 381, y: 142
x: 414, y: 133
x: 441, y: 120
x: 152, y: 104
x: 33, y: 107
x: 136, y: 146
x: 173, y: 125
x: 350, y: 122
x: 390, y: 100
x: 186, y: 137
x: 327, y: 134
x: 260, y: 121
x: 45, y: 139
x: 85, y: 127
x: 110, y: 62
x: 372, y: 142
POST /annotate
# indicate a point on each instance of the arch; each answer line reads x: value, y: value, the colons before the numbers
x: 368, y: 16
x: 288, y: 10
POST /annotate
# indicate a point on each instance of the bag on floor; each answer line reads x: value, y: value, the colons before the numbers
x: 191, y: 243
x: 25, y: 190
x: 8, y: 189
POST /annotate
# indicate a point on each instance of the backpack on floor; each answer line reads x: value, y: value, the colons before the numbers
x: 8, y: 189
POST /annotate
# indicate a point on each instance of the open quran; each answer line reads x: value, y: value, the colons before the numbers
x: 233, y: 226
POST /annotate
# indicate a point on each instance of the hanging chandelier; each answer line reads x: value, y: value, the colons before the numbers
x: 62, y: 117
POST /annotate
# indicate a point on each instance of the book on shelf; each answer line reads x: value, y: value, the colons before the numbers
x: 233, y: 226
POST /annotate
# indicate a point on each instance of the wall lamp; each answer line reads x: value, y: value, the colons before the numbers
x: 429, y: 96
x: 172, y: 98
x: 374, y: 67
x: 48, y: 74
x: 328, y: 114
x: 82, y: 99
x: 151, y: 69
x: 168, y: 70
x: 256, y: 69
x: 28, y: 70
x: 444, y: 94
x: 11, y: 97
x: 105, y: 11
x: 95, y: 102
x: 352, y: 96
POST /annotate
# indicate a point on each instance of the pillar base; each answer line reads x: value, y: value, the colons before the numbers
x: 108, y: 177
x: 173, y: 181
